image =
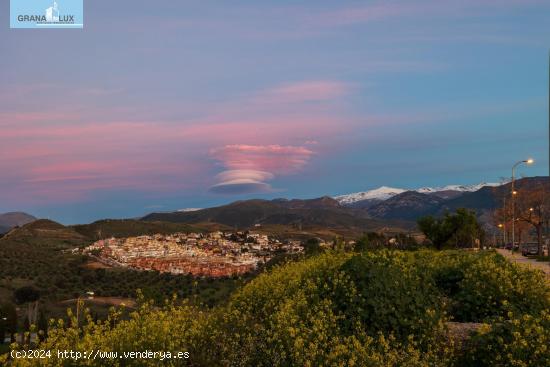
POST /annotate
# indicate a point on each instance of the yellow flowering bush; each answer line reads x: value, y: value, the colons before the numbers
x: 493, y: 286
x: 520, y: 341
x: 379, y: 309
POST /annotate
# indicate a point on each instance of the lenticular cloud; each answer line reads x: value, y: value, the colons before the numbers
x: 249, y: 167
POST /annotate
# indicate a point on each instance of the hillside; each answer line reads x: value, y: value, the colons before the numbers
x: 128, y: 227
x: 409, y: 205
x: 379, y: 308
x: 353, y: 213
x: 322, y: 212
x: 412, y: 204
x: 44, y: 232
x: 14, y: 219
x: 490, y: 198
x: 38, y: 255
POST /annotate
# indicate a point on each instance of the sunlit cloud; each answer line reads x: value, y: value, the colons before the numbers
x: 250, y: 166
x: 242, y: 182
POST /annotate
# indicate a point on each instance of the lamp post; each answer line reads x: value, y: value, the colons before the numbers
x: 526, y: 161
x: 503, y: 225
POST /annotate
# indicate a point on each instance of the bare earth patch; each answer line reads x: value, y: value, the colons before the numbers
x: 96, y: 265
x: 460, y: 332
x: 112, y: 301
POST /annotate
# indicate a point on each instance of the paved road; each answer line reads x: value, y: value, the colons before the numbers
x: 544, y: 266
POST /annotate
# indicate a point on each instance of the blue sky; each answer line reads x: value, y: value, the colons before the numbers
x: 166, y: 105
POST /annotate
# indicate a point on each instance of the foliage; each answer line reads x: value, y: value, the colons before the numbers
x: 312, y: 246
x: 380, y: 308
x: 492, y: 286
x: 533, y: 207
x: 128, y: 227
x: 390, y: 293
x: 484, y: 285
x: 370, y: 241
x: 26, y: 294
x: 460, y: 229
x: 61, y: 275
x: 521, y: 341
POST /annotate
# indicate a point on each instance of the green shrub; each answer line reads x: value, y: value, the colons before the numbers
x: 390, y: 292
x: 492, y: 286
x: 522, y: 341
x: 382, y: 308
x: 483, y: 285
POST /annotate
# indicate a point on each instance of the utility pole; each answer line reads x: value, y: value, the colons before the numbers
x: 504, y: 222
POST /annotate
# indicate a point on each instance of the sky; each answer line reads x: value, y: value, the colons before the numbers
x: 164, y: 105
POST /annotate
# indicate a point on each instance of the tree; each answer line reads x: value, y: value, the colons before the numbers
x: 533, y: 208
x: 467, y: 232
x: 436, y: 230
x: 370, y: 240
x: 30, y: 296
x: 460, y: 229
x: 26, y: 294
x: 312, y: 246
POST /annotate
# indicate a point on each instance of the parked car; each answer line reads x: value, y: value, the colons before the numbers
x: 531, y: 248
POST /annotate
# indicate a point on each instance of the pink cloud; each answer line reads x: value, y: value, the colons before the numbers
x: 242, y: 181
x: 250, y: 166
x: 272, y: 158
x: 47, y: 155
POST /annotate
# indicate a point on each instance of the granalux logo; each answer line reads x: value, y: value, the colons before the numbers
x: 46, y: 14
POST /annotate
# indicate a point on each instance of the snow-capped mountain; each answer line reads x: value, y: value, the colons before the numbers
x: 383, y: 193
x: 460, y: 188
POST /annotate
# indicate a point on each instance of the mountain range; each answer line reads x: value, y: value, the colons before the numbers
x: 365, y: 199
x: 383, y: 208
x: 324, y: 212
x: 380, y: 208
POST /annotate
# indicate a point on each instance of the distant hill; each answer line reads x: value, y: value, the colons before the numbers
x: 321, y: 212
x: 409, y: 205
x: 14, y: 219
x: 46, y: 233
x: 129, y: 227
x: 33, y: 255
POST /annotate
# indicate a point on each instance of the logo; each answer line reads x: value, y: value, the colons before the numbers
x: 46, y: 14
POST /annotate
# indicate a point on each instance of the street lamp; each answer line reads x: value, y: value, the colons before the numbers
x: 514, y: 192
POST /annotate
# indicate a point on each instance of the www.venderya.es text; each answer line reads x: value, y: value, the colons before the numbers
x: 96, y: 354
